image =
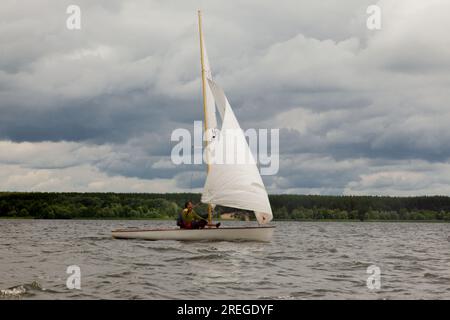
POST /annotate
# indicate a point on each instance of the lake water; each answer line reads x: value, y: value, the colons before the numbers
x: 305, y: 260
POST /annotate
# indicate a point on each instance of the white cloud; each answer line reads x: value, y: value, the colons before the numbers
x: 418, y: 178
x: 83, y: 178
x: 50, y: 154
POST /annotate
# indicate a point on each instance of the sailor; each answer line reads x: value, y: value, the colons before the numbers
x: 189, y: 219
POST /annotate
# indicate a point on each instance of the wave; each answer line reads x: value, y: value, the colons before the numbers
x: 20, y: 290
x: 212, y: 256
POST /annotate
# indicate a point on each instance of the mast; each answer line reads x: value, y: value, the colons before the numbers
x: 204, y: 99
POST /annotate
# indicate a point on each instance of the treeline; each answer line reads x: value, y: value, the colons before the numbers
x: 165, y: 206
x: 306, y: 207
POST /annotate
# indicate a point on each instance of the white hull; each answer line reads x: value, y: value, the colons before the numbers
x: 220, y: 234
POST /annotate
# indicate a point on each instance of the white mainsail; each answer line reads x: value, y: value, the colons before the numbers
x: 233, y: 179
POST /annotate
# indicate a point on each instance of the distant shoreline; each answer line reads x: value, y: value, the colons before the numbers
x: 167, y: 206
x: 227, y: 220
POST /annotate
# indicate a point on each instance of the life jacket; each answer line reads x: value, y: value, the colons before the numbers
x: 181, y: 222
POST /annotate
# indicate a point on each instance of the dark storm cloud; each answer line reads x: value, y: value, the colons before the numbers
x: 190, y: 180
x: 66, y: 84
x: 106, y: 118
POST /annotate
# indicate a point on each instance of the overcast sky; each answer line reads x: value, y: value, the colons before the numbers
x: 359, y: 111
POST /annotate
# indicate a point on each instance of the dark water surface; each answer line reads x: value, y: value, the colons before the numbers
x: 305, y: 260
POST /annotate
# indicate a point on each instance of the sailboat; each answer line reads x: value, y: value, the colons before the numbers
x: 235, y: 184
